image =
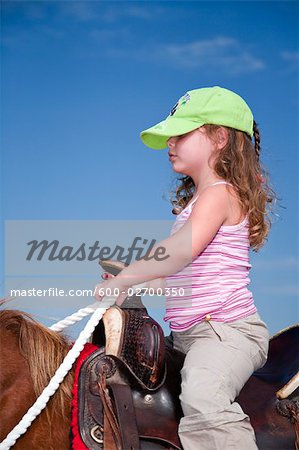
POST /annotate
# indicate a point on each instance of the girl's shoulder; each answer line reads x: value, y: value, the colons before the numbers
x: 235, y: 214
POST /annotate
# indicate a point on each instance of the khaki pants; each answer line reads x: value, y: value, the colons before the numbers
x: 220, y: 358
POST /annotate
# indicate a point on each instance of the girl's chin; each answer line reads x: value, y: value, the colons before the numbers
x: 176, y: 168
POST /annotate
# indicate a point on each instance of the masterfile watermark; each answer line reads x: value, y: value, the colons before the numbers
x: 74, y: 248
x: 60, y: 259
x: 55, y: 250
x: 57, y: 292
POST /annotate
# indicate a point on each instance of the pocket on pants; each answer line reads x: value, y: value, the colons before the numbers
x: 258, y: 337
x: 261, y: 336
x: 260, y: 350
x: 218, y: 329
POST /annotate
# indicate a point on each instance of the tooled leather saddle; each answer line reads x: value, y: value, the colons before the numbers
x: 123, y: 387
x: 129, y: 388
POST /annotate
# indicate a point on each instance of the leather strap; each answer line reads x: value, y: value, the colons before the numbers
x: 109, y: 441
x: 112, y: 438
x: 126, y: 415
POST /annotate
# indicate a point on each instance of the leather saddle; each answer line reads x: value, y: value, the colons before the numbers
x: 129, y: 388
x: 136, y: 341
x: 118, y: 411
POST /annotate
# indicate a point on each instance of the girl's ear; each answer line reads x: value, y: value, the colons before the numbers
x: 222, y: 137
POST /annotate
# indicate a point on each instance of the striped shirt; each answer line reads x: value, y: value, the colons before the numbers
x: 214, y: 285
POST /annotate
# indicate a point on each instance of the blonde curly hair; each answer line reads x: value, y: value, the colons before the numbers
x: 239, y: 164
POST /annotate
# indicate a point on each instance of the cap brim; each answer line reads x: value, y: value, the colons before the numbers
x: 157, y: 136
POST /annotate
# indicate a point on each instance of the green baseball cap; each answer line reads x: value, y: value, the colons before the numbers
x: 209, y: 105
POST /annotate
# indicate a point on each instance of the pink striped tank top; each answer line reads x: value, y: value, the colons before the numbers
x: 214, y: 285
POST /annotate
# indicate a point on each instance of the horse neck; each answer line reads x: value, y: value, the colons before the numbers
x: 50, y: 430
x: 40, y: 349
x: 15, y: 382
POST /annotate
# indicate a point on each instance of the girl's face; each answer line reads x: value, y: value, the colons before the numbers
x: 189, y: 153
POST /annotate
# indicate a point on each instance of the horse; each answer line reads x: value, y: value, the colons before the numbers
x: 30, y: 354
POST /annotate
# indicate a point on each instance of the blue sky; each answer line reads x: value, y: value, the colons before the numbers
x: 80, y: 80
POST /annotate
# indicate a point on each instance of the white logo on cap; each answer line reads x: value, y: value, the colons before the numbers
x: 182, y: 101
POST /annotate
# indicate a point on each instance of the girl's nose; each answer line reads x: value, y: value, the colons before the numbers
x: 171, y: 141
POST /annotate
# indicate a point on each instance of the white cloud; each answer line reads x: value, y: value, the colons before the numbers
x: 112, y: 14
x: 218, y: 53
x: 290, y: 61
x: 102, y: 11
x: 223, y: 52
x: 290, y: 55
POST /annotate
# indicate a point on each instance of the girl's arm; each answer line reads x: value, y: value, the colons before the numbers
x: 157, y: 283
x: 182, y: 247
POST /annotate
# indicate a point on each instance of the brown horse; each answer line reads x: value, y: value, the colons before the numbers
x: 29, y: 356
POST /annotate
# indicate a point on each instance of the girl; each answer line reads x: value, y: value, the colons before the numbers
x: 221, y: 212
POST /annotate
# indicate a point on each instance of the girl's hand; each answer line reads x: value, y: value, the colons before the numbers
x: 106, y: 275
x: 158, y: 283
x: 114, y: 284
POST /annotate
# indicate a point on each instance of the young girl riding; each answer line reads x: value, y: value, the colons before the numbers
x: 221, y: 212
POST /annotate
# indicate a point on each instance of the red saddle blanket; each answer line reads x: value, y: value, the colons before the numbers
x: 77, y: 443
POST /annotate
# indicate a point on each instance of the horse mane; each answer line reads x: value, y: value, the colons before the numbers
x: 44, y: 351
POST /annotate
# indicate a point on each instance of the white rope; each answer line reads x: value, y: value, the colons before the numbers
x: 83, y: 312
x: 76, y: 317
x: 61, y: 372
